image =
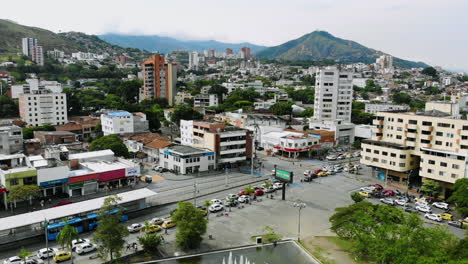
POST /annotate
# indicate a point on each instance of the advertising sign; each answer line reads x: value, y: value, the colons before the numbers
x: 284, y: 176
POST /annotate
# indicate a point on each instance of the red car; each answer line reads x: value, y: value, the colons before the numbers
x: 259, y: 192
x: 389, y: 192
x: 377, y: 186
x: 243, y: 192
x: 317, y: 171
x: 62, y: 203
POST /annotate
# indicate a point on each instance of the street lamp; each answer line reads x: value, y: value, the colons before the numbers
x: 46, y: 223
x: 300, y: 205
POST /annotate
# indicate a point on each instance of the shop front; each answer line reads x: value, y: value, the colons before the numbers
x: 112, y: 179
x: 83, y: 185
x: 54, y: 187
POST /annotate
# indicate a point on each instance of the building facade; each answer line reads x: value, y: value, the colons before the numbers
x: 375, y: 108
x: 122, y: 122
x: 159, y: 79
x: 37, y: 109
x: 11, y: 139
x: 205, y: 100
x: 185, y: 159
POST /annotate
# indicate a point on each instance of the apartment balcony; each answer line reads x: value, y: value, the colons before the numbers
x: 411, y: 126
x: 378, y: 130
x: 230, y: 151
x: 458, y: 141
x: 234, y: 142
x: 426, y: 137
x: 410, y: 143
x: 410, y: 135
x: 232, y: 160
x: 464, y: 132
x: 427, y: 128
x: 377, y: 122
x: 426, y: 145
x: 379, y: 138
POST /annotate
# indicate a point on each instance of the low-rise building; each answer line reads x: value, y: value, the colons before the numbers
x: 44, y: 107
x: 149, y: 144
x: 289, y: 142
x: 122, y: 122
x: 205, y: 100
x: 344, y: 132
x: 185, y: 159
x: 11, y: 139
x: 83, y: 126
x: 55, y: 137
x: 375, y: 108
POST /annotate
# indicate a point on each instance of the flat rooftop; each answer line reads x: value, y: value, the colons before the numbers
x: 92, y: 154
x: 185, y: 149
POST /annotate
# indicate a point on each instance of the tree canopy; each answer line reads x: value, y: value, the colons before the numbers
x: 183, y: 112
x: 460, y: 196
x: 282, y: 108
x: 430, y: 71
x: 28, y: 132
x: 430, y: 188
x: 191, y: 225
x: 112, y: 142
x: 22, y: 192
x: 8, y: 107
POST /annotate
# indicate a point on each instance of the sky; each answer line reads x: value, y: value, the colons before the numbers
x: 435, y: 32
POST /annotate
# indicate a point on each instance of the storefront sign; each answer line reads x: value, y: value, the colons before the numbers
x: 132, y: 172
x: 54, y: 182
x: 83, y: 178
x: 111, y: 175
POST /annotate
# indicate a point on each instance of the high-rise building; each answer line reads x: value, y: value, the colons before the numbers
x: 385, y: 62
x: 211, y: 53
x: 228, y: 51
x: 28, y: 44
x: 38, y: 55
x: 159, y: 79
x: 193, y: 60
x: 43, y: 107
x: 246, y: 52
x: 333, y: 95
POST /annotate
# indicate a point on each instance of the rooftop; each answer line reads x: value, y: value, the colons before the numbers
x: 118, y: 114
x: 87, y: 155
x: 182, y: 149
x: 55, y: 133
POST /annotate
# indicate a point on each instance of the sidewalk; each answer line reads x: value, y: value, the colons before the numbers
x: 24, y: 207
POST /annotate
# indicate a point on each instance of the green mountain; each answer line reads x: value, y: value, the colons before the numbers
x: 12, y: 33
x: 321, y: 45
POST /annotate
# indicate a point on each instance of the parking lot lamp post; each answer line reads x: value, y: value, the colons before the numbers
x: 195, y: 185
x: 299, y: 205
x: 46, y: 223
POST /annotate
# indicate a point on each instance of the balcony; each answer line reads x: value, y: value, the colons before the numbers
x: 232, y: 160
x: 427, y: 128
x: 379, y: 138
x: 426, y: 137
x: 230, y: 151
x: 426, y: 145
x: 410, y: 143
x: 378, y: 130
x: 410, y: 135
x: 411, y: 126
x: 234, y: 142
x: 377, y: 122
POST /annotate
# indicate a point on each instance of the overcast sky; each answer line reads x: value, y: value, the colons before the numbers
x: 433, y: 31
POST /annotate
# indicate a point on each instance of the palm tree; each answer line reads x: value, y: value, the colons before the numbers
x: 207, y: 205
x: 66, y: 236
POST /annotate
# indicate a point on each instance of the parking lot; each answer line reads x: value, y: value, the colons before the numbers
x: 321, y: 197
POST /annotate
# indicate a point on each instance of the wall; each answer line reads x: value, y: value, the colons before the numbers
x: 51, y: 174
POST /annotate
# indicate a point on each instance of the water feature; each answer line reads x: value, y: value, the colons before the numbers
x: 287, y: 252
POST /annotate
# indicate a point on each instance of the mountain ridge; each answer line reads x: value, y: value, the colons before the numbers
x: 320, y: 45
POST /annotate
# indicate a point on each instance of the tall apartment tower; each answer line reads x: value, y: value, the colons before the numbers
x: 159, y: 79
x: 333, y: 95
x: 246, y: 52
x: 38, y: 55
x: 229, y: 51
x: 43, y: 107
x: 28, y: 44
x: 193, y: 60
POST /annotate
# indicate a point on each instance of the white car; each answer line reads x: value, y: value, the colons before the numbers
x: 434, y: 217
x: 367, y: 189
x: 32, y: 261
x: 216, y: 201
x: 232, y: 196
x: 307, y: 172
x: 13, y: 260
x: 401, y: 202
x: 277, y: 185
x: 268, y: 190
x: 156, y: 221
x: 440, y: 205
x: 85, y: 248
x: 387, y: 201
x: 45, y: 253
x: 424, y: 209
x: 134, y: 228
x: 79, y: 241
x: 215, y: 208
x: 331, y: 157
x: 424, y: 204
x: 243, y: 199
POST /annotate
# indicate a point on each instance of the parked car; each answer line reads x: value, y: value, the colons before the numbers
x: 169, y: 223
x: 62, y: 256
x: 277, y: 185
x: 231, y: 202
x: 269, y: 189
x: 32, y: 261
x: 455, y: 223
x: 421, y: 199
x: 388, y: 192
x: 421, y: 204
x: 156, y: 221
x: 216, y: 201
x: 440, y: 205
x: 244, y: 199
x: 307, y: 179
x: 242, y: 192
x: 152, y: 228
x: 409, y: 209
x: 331, y: 157
x: 446, y: 216
x: 401, y: 202
x: 365, y: 194
x: 203, y: 209
x: 367, y: 189
x: 13, y: 260
x: 323, y: 174
x: 424, y: 209
x: 215, y: 208
x: 377, y: 186
x: 259, y: 192
x: 45, y: 253
x: 79, y: 241
x: 387, y: 201
x: 433, y: 217
x: 63, y: 203
x: 85, y: 248
x: 134, y: 228
x: 232, y: 196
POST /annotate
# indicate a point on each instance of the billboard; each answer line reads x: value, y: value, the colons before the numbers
x: 282, y: 175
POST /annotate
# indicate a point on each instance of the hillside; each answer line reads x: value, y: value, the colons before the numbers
x: 167, y: 44
x: 320, y: 45
x: 11, y: 34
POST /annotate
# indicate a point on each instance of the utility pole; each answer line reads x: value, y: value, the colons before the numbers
x: 195, y: 185
x: 252, y: 154
x: 46, y: 223
x: 299, y: 205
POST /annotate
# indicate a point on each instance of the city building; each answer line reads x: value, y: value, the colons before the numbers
x: 375, y: 108
x: 385, y: 63
x: 182, y: 98
x: 55, y: 137
x: 35, y: 85
x: 83, y: 126
x: 56, y: 54
x: 11, y: 139
x: 229, y: 51
x: 205, y: 100
x: 28, y: 44
x: 431, y: 144
x: 121, y: 122
x: 159, y: 79
x: 148, y: 144
x: 232, y: 145
x: 193, y: 60
x: 38, y: 55
x: 185, y: 159
x: 344, y: 132
x: 246, y: 53
x: 43, y: 107
x: 289, y: 142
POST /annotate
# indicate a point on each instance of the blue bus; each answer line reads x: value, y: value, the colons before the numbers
x: 82, y: 224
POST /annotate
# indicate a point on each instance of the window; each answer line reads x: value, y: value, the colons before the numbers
x: 438, y: 142
x: 398, y: 137
x: 393, y: 155
x: 329, y: 73
x: 431, y: 162
x: 402, y: 165
x: 443, y: 164
x: 439, y: 134
x: 441, y: 173
x: 376, y: 152
x: 443, y: 125
x: 426, y: 123
x: 402, y: 156
x: 384, y: 153
x: 455, y: 166
x: 368, y: 150
x: 429, y: 171
x: 453, y: 175
x: 13, y: 182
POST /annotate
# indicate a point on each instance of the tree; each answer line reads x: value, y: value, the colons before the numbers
x: 8, y: 107
x: 460, y: 196
x: 150, y: 241
x: 270, y: 235
x: 24, y: 254
x: 267, y: 184
x: 309, y: 112
x: 401, y: 98
x: 153, y: 120
x: 110, y: 232
x: 191, y: 225
x: 249, y: 190
x: 430, y: 188
x: 112, y: 142
x: 22, y: 192
x: 430, y: 71
x: 219, y: 91
x: 282, y: 108
x: 357, y: 197
x: 66, y: 236
x: 28, y: 132
x: 183, y: 112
